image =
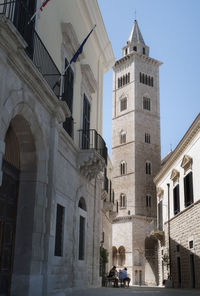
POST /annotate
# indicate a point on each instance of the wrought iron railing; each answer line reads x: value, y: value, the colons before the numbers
x: 19, y: 14
x: 90, y: 139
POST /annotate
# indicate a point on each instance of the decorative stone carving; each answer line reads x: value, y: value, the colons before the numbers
x: 158, y: 234
x: 90, y: 163
x: 107, y: 206
x: 186, y: 163
x: 174, y: 176
x: 160, y: 191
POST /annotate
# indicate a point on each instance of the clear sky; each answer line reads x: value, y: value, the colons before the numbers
x: 171, y: 28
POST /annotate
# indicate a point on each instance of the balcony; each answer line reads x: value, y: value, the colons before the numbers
x: 19, y: 14
x: 91, y: 140
x: 93, y: 155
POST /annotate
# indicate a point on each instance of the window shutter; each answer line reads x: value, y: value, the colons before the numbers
x: 190, y: 187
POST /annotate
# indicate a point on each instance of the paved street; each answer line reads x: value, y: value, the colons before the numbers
x: 140, y: 291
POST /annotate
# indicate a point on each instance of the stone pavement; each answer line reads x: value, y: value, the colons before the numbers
x: 135, y: 291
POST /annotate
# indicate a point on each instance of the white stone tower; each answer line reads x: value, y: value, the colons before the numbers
x: 136, y: 158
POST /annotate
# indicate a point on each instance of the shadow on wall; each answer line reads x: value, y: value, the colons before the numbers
x: 185, y: 265
x: 151, y: 266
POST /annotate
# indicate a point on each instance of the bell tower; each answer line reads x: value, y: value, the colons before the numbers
x: 135, y: 153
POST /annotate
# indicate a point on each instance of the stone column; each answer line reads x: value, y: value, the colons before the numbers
x: 2, y: 150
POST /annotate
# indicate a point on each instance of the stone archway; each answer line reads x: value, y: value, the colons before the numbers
x: 27, y: 245
x: 151, y: 261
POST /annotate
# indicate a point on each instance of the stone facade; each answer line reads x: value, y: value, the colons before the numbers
x: 178, y: 213
x: 135, y: 156
x: 56, y: 185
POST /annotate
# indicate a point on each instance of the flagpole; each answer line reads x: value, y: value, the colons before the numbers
x: 44, y: 3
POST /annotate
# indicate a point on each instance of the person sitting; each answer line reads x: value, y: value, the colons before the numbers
x: 113, y: 276
x: 123, y: 277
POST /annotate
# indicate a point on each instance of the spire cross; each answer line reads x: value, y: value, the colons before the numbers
x: 135, y: 14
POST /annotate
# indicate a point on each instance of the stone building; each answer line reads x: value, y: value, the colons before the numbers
x: 136, y: 158
x: 51, y: 151
x: 178, y: 199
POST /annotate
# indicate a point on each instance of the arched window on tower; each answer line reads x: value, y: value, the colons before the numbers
x: 122, y: 137
x: 148, y: 167
x: 122, y: 200
x: 123, y: 168
x: 128, y: 77
x: 121, y: 256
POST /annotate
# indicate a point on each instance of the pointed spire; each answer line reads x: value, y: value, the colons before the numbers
x: 135, y: 42
x: 136, y: 36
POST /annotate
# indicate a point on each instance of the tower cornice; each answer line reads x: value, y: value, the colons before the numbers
x: 134, y: 53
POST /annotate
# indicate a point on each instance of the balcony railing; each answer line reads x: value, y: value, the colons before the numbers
x: 19, y: 14
x: 90, y: 139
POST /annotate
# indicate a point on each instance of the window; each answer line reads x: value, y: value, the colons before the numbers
x: 86, y: 123
x: 146, y: 79
x: 122, y: 137
x: 82, y: 227
x: 67, y: 96
x: 177, y: 248
x: 123, y: 104
x: 148, y: 201
x: 126, y: 51
x: 144, y: 50
x: 176, y: 199
x: 123, y: 168
x: 147, y: 138
x: 123, y: 80
x: 81, y: 238
x: 188, y: 189
x: 160, y: 216
x: 59, y: 231
x: 148, y: 168
x: 122, y: 200
x: 135, y: 48
x: 146, y: 104
x: 191, y: 244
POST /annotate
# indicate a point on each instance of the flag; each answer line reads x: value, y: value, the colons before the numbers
x: 44, y: 3
x: 75, y: 57
x: 79, y: 51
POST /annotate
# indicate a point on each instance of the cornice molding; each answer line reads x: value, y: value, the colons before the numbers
x: 175, y: 175
x: 186, y: 163
x: 136, y: 54
x: 71, y: 40
x: 180, y: 148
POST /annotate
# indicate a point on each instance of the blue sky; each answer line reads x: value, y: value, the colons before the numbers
x: 172, y: 31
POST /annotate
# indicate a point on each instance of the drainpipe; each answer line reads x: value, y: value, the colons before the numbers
x: 169, y: 238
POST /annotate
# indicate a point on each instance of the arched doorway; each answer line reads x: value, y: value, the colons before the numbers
x: 19, y: 162
x: 8, y: 208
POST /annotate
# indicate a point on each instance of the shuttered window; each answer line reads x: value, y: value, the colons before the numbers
x: 160, y: 216
x: 176, y: 199
x: 86, y: 123
x: 188, y: 189
x: 59, y: 231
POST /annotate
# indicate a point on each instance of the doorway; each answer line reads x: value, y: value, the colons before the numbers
x: 8, y: 210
